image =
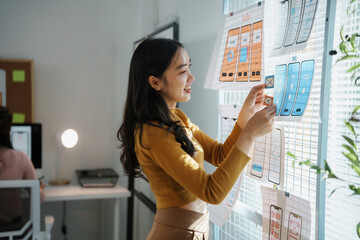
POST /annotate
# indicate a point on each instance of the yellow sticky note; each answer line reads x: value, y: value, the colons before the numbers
x: 18, y: 75
x: 18, y: 118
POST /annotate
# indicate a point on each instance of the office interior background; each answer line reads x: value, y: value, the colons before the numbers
x: 82, y: 50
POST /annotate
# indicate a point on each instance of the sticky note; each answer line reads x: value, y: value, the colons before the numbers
x: 18, y: 75
x: 268, y: 100
x: 269, y: 81
x: 18, y: 118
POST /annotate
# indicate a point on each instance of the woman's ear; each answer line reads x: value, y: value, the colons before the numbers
x: 155, y: 83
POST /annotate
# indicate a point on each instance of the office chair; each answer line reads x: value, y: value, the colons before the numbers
x: 25, y: 196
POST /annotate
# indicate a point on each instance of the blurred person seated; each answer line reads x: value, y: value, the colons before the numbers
x: 14, y: 165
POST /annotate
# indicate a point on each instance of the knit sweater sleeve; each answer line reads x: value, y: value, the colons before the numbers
x: 161, y: 147
x: 214, y: 152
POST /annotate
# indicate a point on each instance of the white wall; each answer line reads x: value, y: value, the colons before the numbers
x: 81, y: 51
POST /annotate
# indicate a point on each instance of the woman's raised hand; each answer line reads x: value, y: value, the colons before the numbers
x: 261, y: 122
x: 253, y: 103
x: 258, y: 125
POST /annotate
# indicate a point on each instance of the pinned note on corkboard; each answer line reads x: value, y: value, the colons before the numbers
x: 16, y: 88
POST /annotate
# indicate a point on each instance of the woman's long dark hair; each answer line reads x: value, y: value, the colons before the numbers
x: 144, y: 105
x: 5, y: 125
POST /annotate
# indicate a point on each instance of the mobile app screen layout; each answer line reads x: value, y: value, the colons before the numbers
x: 232, y: 196
x: 294, y: 19
x: 294, y: 227
x: 306, y: 76
x: 257, y: 166
x: 291, y: 88
x: 275, y: 222
x: 280, y: 82
x: 227, y: 125
x: 256, y: 52
x: 244, y: 55
x: 307, y: 20
x: 228, y: 68
x: 275, y: 157
x: 281, y: 22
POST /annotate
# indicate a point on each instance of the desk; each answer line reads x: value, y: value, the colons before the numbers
x: 75, y: 192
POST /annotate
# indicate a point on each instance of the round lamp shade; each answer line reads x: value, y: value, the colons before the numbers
x: 69, y: 138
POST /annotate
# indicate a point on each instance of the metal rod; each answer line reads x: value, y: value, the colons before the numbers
x: 324, y: 113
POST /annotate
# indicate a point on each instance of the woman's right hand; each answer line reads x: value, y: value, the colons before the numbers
x: 262, y: 122
x: 258, y: 125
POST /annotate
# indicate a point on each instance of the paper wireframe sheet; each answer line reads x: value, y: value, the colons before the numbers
x: 267, y: 158
x: 292, y: 85
x: 285, y: 216
x: 220, y: 213
x: 293, y: 24
x: 228, y: 117
x: 240, y: 58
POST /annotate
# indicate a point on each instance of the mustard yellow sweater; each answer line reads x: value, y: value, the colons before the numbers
x: 175, y: 177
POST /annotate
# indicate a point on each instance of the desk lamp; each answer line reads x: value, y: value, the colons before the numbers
x: 67, y: 139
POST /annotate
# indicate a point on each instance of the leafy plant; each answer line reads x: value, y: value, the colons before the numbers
x: 349, y: 50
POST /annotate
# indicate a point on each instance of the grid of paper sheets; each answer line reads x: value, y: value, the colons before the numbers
x: 301, y: 137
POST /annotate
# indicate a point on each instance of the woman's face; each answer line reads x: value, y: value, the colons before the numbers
x: 175, y: 85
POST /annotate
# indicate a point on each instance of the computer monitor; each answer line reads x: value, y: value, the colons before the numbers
x: 27, y: 138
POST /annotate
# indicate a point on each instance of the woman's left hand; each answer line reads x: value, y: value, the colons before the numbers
x: 253, y: 103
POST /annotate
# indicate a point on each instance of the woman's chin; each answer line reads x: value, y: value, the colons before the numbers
x: 186, y: 99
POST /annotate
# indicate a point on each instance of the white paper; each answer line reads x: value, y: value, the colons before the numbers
x: 238, y: 59
x: 285, y: 216
x: 268, y: 158
x: 281, y: 12
x: 293, y: 24
x: 307, y: 20
x: 294, y: 20
x: 228, y: 117
x: 220, y: 213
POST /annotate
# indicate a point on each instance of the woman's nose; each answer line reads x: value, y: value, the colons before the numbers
x: 191, y: 78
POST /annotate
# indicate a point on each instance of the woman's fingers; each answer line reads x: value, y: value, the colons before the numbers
x: 260, y: 99
x: 262, y: 122
x: 272, y: 108
x: 261, y: 92
x: 270, y: 111
x: 273, y: 113
x: 258, y: 89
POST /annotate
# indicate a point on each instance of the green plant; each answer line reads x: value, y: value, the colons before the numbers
x: 349, y: 51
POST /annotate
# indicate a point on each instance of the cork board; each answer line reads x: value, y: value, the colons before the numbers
x: 16, y: 88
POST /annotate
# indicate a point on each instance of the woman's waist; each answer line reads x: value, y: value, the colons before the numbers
x: 196, y: 206
x: 183, y: 218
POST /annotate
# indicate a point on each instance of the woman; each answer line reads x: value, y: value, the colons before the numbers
x: 159, y: 140
x: 14, y: 165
